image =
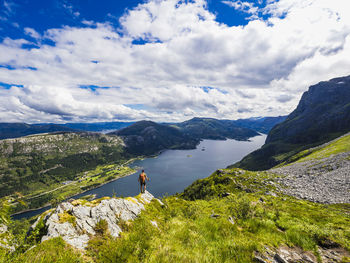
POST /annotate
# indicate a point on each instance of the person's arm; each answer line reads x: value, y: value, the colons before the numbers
x: 147, y: 178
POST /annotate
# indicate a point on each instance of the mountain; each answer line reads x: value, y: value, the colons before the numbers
x: 322, y: 114
x: 98, y: 126
x: 15, y: 130
x: 208, y: 128
x: 147, y: 137
x: 233, y: 215
x: 263, y: 124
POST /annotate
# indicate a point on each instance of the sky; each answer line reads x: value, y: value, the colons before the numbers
x: 165, y: 60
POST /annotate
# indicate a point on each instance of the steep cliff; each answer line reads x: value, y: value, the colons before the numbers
x: 322, y: 114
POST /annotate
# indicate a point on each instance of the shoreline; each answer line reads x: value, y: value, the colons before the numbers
x: 68, y: 197
x: 128, y: 174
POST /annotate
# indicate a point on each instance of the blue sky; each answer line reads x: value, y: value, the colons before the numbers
x: 43, y: 15
x: 165, y: 60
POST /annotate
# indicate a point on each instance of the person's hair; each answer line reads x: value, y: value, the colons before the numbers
x: 143, y: 170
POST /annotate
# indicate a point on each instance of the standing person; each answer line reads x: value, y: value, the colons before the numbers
x: 142, y: 179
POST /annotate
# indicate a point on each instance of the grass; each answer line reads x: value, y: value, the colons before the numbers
x: 199, y: 230
x: 338, y: 146
x: 52, y: 251
x: 201, y: 225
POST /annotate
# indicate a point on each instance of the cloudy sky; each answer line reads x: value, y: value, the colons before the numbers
x: 165, y: 60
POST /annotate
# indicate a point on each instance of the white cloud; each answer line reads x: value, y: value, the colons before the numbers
x: 32, y: 33
x: 246, y: 7
x: 260, y: 69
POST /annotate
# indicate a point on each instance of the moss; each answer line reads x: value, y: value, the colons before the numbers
x: 67, y: 217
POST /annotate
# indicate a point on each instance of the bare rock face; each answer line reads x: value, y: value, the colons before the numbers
x: 75, y: 221
x: 286, y: 254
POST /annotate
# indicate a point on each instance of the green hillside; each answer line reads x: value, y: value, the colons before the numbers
x: 337, y: 146
x: 231, y: 216
x: 33, y: 165
x: 323, y: 114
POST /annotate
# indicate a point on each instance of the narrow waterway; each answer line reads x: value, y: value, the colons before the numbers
x: 173, y: 170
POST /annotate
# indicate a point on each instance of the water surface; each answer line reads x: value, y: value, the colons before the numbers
x: 173, y: 170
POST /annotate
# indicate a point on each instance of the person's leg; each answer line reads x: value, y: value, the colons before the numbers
x: 141, y: 187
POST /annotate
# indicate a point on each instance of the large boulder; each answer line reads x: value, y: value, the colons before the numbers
x: 75, y: 221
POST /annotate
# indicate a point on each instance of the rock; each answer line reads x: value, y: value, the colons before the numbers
x: 76, y: 224
x: 214, y: 216
x: 325, y: 180
x: 154, y: 223
x: 3, y: 228
x: 160, y: 202
x: 285, y: 255
x: 230, y: 219
x: 271, y: 193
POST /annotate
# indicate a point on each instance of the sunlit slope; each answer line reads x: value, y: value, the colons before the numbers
x: 337, y: 146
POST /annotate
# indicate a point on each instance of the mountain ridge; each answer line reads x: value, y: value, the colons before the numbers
x: 322, y: 114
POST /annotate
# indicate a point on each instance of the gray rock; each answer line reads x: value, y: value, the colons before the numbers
x: 155, y: 224
x: 324, y: 180
x: 83, y: 218
x: 230, y: 219
x: 3, y: 228
x: 214, y: 216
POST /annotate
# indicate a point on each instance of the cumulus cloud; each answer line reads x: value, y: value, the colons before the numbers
x: 31, y: 32
x: 163, y: 55
x: 246, y: 7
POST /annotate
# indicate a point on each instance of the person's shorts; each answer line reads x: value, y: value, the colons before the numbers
x: 143, y: 183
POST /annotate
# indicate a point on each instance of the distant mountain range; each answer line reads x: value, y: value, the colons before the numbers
x: 322, y: 114
x: 98, y: 126
x: 204, y: 128
x: 209, y: 128
x: 14, y: 130
x: 262, y: 124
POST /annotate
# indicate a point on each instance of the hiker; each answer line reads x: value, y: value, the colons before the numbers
x: 142, y: 179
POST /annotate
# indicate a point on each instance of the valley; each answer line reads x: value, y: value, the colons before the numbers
x: 285, y: 202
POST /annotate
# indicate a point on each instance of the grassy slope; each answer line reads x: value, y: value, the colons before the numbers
x: 337, y: 146
x: 194, y: 226
x: 187, y: 231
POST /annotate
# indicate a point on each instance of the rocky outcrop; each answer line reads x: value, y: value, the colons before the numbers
x: 75, y: 221
x: 286, y: 254
x: 325, y: 180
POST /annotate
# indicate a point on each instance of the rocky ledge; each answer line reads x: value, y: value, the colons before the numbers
x: 75, y: 221
x: 324, y: 180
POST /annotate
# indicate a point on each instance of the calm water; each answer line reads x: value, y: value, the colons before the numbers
x: 173, y: 170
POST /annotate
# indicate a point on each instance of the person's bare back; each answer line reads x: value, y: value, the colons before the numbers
x: 142, y: 179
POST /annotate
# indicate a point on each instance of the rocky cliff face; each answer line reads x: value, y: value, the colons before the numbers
x: 323, y: 114
x: 322, y: 110
x: 76, y: 221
